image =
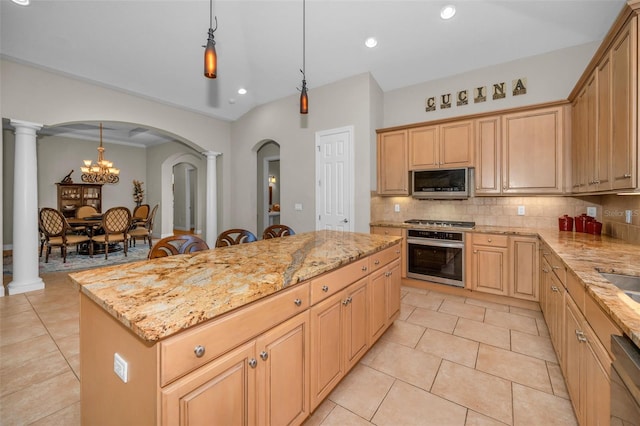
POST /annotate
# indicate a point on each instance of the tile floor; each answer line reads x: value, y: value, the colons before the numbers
x: 448, y: 360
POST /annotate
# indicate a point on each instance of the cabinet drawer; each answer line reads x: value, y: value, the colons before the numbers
x: 491, y: 240
x: 383, y: 230
x: 381, y: 258
x: 576, y: 290
x: 556, y: 264
x: 600, y: 323
x: 332, y: 282
x: 177, y: 354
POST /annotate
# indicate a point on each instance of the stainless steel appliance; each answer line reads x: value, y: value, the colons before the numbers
x: 437, y: 255
x: 625, y: 382
x: 440, y: 184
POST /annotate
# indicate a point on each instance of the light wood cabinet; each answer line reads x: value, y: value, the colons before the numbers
x: 446, y: 145
x: 524, y: 267
x: 489, y: 264
x: 488, y: 151
x: 532, y: 151
x: 553, y: 294
x: 71, y: 196
x: 393, y: 163
x: 396, y: 232
x: 624, y: 105
x: 384, y: 299
x: 340, y: 335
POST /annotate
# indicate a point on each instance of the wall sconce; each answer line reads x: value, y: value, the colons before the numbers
x: 272, y: 179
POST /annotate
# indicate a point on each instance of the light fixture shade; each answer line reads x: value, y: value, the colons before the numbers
x: 210, y: 57
x: 304, y: 99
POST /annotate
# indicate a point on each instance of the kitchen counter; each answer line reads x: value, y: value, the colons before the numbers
x: 582, y: 253
x: 160, y: 297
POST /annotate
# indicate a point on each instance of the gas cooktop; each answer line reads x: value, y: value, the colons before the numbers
x: 442, y: 223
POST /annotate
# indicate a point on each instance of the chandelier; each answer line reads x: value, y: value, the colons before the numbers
x: 102, y: 171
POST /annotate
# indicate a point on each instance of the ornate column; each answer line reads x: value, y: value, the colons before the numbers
x: 211, y: 213
x: 25, y: 210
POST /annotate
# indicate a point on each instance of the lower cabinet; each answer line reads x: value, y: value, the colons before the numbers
x: 524, y: 261
x: 587, y: 369
x: 552, y: 304
x: 340, y: 338
x: 397, y: 232
x: 490, y: 264
x: 384, y: 298
x: 261, y: 382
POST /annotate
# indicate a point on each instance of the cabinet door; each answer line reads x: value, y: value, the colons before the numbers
x: 377, y: 303
x: 356, y: 319
x: 489, y: 269
x: 557, y: 313
x: 327, y: 367
x: 524, y: 268
x: 488, y: 149
x: 532, y: 151
x: 624, y: 75
x: 456, y: 144
x: 222, y: 392
x: 590, y: 129
x: 573, y: 355
x: 393, y: 175
x: 423, y: 148
x: 603, y: 145
x: 394, y: 284
x: 597, y: 371
x: 283, y: 373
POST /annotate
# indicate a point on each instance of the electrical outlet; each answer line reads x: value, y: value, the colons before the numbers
x: 520, y: 210
x: 120, y: 367
x: 396, y: 208
x: 591, y: 211
x: 627, y: 216
x: 298, y: 206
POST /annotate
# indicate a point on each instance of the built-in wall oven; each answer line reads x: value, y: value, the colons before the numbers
x: 625, y: 382
x: 436, y: 256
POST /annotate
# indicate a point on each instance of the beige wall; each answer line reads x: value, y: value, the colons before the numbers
x: 613, y: 219
x: 344, y: 103
x: 550, y: 77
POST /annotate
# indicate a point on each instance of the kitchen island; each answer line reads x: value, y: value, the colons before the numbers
x: 255, y: 333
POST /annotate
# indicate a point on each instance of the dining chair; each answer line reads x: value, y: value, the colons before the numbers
x: 177, y: 244
x: 55, y: 230
x: 141, y: 213
x: 115, y: 224
x: 275, y: 231
x: 86, y: 211
x: 143, y: 230
x: 231, y: 237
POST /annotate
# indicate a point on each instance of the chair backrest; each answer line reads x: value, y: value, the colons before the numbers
x: 141, y: 211
x: 116, y: 220
x: 52, y: 222
x: 86, y: 211
x: 149, y: 223
x: 275, y: 231
x: 177, y: 244
x: 231, y: 237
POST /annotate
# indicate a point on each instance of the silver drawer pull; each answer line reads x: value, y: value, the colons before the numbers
x: 555, y: 267
x: 377, y: 262
x: 325, y: 288
x: 627, y: 175
x: 364, y: 268
x: 253, y: 363
x: 298, y: 302
x: 554, y: 288
x: 199, y: 351
x: 264, y: 355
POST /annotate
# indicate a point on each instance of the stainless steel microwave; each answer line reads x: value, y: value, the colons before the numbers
x: 451, y: 184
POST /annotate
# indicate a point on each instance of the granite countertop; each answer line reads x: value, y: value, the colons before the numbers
x: 160, y: 297
x: 582, y: 253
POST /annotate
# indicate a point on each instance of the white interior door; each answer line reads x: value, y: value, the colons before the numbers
x: 334, y: 179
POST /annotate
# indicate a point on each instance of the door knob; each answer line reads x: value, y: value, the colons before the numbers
x: 345, y: 220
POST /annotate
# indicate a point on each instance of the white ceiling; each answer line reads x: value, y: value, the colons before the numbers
x: 153, y: 48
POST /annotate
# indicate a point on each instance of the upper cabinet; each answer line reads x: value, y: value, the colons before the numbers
x: 605, y: 114
x: 393, y: 175
x: 446, y: 145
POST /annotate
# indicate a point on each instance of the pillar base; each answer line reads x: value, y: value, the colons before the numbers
x: 16, y: 287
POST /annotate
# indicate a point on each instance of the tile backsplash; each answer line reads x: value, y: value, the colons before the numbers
x: 540, y: 212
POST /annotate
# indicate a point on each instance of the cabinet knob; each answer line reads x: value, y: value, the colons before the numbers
x: 554, y: 267
x: 475, y: 252
x: 346, y: 301
x: 253, y: 363
x: 264, y: 355
x: 580, y: 336
x: 298, y: 302
x: 545, y: 270
x: 489, y: 239
x: 554, y: 288
x: 325, y: 288
x: 377, y: 262
x: 364, y: 268
x: 627, y: 175
x: 199, y: 351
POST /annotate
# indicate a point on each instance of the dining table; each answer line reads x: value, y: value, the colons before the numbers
x: 92, y: 226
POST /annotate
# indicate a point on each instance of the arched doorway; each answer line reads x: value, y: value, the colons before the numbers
x: 268, y: 185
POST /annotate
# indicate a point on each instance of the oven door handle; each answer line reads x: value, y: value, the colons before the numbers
x: 434, y: 243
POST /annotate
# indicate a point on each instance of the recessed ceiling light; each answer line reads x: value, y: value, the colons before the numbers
x: 242, y: 91
x: 371, y: 42
x: 22, y: 2
x: 447, y: 12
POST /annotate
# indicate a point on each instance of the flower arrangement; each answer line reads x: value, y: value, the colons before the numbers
x: 138, y: 192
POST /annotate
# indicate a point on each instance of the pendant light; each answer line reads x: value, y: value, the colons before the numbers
x: 210, y: 56
x: 304, y: 98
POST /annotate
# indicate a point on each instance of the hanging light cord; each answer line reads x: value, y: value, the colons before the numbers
x: 304, y: 37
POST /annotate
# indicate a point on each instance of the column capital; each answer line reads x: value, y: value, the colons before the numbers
x: 25, y: 124
x: 210, y: 154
